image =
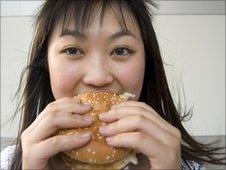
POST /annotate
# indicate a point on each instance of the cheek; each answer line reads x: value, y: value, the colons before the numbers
x: 131, y: 76
x: 63, y: 78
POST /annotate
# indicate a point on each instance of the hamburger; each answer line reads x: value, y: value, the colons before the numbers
x: 97, y: 154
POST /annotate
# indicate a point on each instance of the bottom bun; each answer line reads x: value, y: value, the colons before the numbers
x: 77, y: 165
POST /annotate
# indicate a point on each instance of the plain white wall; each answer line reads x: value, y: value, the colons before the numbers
x: 193, y: 48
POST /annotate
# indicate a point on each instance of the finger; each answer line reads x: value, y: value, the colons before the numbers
x: 138, y: 141
x: 141, y: 105
x: 73, y: 106
x: 51, y: 123
x: 121, y: 111
x: 67, y: 104
x: 138, y: 123
x: 60, y: 143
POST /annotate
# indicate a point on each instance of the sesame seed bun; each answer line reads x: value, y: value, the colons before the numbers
x: 97, y: 153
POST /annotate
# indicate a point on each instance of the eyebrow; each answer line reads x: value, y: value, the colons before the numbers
x: 82, y: 36
x: 120, y: 34
x: 73, y: 33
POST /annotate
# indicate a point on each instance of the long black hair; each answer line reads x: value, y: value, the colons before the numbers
x: 155, y: 92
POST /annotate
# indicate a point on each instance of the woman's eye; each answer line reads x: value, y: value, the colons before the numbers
x: 72, y: 51
x: 122, y: 51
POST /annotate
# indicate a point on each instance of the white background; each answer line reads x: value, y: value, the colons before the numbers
x: 193, y: 48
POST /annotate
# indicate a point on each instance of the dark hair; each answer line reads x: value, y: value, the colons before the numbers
x: 155, y: 92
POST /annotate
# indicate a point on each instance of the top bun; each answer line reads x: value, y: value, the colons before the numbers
x: 97, y: 151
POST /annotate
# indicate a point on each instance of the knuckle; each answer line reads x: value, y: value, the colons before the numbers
x: 143, y: 104
x: 23, y: 135
x: 51, y: 105
x: 26, y: 153
x: 54, y: 142
x: 52, y: 120
x: 67, y: 99
x: 52, y: 109
x: 26, y: 149
x: 139, y: 137
x: 177, y: 133
x: 141, y: 110
x: 138, y: 119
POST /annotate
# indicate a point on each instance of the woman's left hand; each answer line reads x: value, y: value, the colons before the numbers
x: 136, y: 125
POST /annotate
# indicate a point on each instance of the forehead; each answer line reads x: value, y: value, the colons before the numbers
x: 108, y: 20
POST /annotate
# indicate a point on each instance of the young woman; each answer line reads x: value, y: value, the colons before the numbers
x: 101, y: 45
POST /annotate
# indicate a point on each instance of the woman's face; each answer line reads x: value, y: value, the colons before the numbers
x: 102, y: 57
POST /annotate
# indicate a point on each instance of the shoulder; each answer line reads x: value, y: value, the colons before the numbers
x: 6, y: 156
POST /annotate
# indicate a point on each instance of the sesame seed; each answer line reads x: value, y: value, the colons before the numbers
x: 93, y: 137
x: 114, y: 151
x: 86, y: 128
x: 89, y: 150
x: 100, y: 137
x: 76, y: 153
x: 108, y: 157
x: 113, y: 155
x: 93, y: 152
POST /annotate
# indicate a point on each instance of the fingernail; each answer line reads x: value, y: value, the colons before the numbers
x: 109, y: 140
x: 76, y: 99
x: 88, y: 118
x: 86, y: 105
x: 85, y: 135
x: 102, y: 129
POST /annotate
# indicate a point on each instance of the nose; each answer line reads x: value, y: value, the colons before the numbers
x: 97, y: 74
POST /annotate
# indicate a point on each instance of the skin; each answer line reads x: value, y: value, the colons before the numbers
x: 94, y: 64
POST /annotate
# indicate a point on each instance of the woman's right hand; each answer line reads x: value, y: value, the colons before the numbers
x: 38, y: 142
